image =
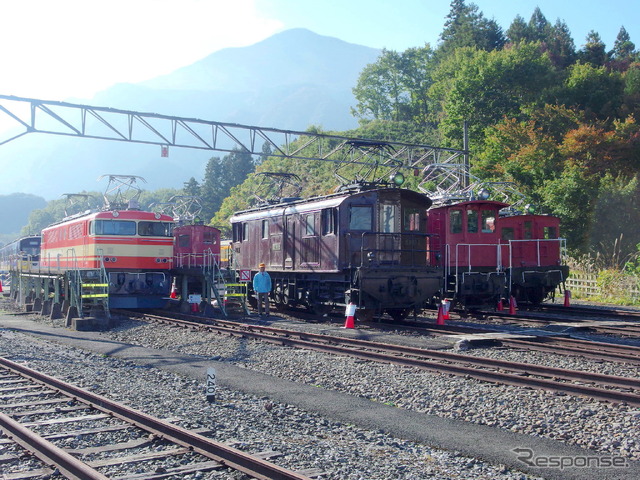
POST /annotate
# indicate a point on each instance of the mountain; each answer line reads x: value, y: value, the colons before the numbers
x: 290, y: 81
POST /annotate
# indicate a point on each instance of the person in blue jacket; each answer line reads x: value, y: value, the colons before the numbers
x: 262, y: 287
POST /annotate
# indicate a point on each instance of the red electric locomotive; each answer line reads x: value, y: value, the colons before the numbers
x: 135, y: 249
x: 488, y: 256
x: 196, y: 246
x: 534, y: 260
x: 470, y: 250
x: 364, y: 245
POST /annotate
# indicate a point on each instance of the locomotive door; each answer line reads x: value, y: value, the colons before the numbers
x: 289, y: 253
x: 388, y: 245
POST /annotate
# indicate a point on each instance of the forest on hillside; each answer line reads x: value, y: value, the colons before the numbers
x: 558, y: 121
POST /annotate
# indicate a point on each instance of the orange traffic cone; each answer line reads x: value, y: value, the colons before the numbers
x: 500, y: 306
x: 350, y: 313
x: 440, y: 319
x: 512, y: 305
x: 174, y: 291
x: 567, y: 297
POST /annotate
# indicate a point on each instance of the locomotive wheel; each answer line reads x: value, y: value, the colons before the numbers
x: 398, y: 314
x: 535, y: 295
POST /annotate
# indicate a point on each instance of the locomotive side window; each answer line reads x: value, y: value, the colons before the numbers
x: 528, y: 229
x: 488, y: 221
x: 472, y: 221
x: 550, y: 233
x: 388, y: 215
x: 237, y: 232
x: 265, y: 228
x: 455, y: 221
x: 112, y: 227
x: 360, y: 218
x: 328, y: 221
x: 155, y: 229
x: 184, y: 240
x: 507, y: 234
x: 245, y: 232
x: 411, y: 221
x: 310, y: 225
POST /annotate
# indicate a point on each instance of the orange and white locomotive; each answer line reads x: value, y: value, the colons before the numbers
x: 135, y: 249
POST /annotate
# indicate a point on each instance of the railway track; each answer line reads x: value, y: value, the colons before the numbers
x: 594, y: 350
x: 611, y: 326
x: 616, y: 313
x: 591, y: 385
x: 39, y: 411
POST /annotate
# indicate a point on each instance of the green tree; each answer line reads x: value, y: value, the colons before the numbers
x: 594, y: 89
x: 191, y: 188
x: 396, y: 87
x: 380, y: 91
x: 518, y: 31
x: 466, y: 26
x: 560, y: 45
x: 481, y: 87
x: 623, y: 47
x: 616, y: 204
x: 539, y: 27
x: 593, y: 51
x: 221, y: 175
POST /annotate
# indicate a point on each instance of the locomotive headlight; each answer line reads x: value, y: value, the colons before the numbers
x: 483, y: 194
x: 530, y: 208
x: 397, y: 179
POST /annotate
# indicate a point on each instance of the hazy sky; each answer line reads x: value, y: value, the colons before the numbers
x: 57, y: 49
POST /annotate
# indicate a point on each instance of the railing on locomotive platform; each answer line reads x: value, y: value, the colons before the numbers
x: 384, y: 248
x: 541, y: 258
x: 475, y: 254
x: 206, y: 260
x: 210, y: 264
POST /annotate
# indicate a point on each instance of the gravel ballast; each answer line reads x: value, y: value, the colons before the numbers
x: 308, y: 440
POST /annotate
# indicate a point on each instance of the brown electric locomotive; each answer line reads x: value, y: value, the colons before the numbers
x: 363, y: 245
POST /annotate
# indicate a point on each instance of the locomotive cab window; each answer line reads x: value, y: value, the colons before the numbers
x: 184, y: 241
x: 455, y: 221
x: 528, y: 230
x: 154, y: 229
x: 388, y: 218
x: 360, y: 218
x: 411, y: 220
x: 328, y: 221
x: 112, y: 227
x: 236, y: 232
x: 208, y: 237
x: 310, y: 225
x: 240, y: 231
x: 507, y: 233
x: 550, y: 233
x: 265, y: 228
x: 472, y: 221
x: 488, y: 221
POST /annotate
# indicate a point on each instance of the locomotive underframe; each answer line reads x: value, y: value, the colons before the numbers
x: 370, y: 288
x: 534, y: 284
x: 476, y: 288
